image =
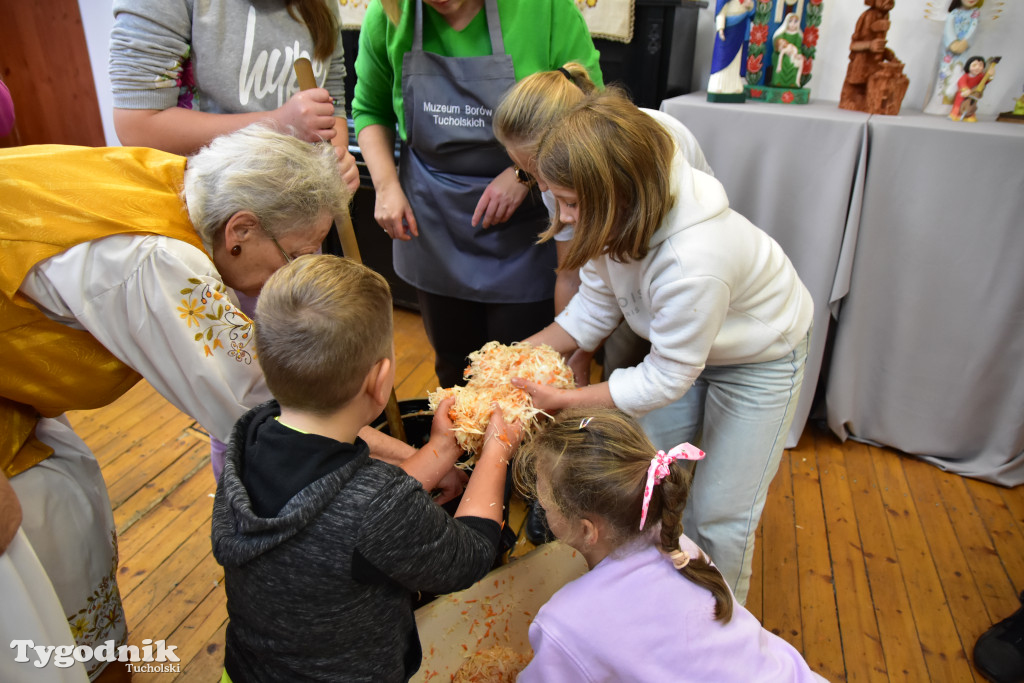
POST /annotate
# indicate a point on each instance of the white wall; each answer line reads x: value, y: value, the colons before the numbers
x: 916, y: 41
x: 914, y: 38
x: 97, y: 19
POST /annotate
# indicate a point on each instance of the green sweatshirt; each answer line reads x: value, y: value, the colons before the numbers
x: 539, y: 35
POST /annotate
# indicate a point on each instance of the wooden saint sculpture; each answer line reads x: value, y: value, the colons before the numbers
x: 728, y: 61
x: 875, y: 82
x: 783, y: 45
x: 788, y: 59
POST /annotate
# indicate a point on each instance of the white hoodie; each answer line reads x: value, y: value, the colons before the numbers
x: 714, y: 289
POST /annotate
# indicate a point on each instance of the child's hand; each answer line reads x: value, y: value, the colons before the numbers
x: 501, y: 437
x: 546, y: 397
x: 442, y: 435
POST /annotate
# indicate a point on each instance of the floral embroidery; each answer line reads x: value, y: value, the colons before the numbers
x: 102, y: 618
x: 220, y: 325
x: 186, y: 81
x: 190, y: 311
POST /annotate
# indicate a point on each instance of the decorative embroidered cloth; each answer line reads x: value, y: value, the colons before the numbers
x: 608, y: 19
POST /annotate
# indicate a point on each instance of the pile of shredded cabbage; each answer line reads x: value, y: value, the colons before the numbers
x: 489, y: 377
x: 497, y: 664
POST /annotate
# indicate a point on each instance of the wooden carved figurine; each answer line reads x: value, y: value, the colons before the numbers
x: 1015, y: 115
x: 961, y: 23
x: 783, y: 45
x: 875, y: 82
x: 959, y: 27
x: 728, y: 61
x: 971, y: 86
x: 788, y: 59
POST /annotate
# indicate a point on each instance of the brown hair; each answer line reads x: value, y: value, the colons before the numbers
x: 322, y: 321
x: 596, y: 461
x: 618, y: 161
x: 393, y: 10
x: 536, y: 102
x: 957, y: 4
x: 322, y: 24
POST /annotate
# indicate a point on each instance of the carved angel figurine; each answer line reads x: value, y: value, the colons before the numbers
x: 961, y: 23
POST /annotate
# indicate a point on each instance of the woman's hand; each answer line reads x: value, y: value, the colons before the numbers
x: 347, y: 167
x: 451, y: 486
x: 308, y: 115
x: 579, y: 363
x: 393, y: 212
x: 500, y: 200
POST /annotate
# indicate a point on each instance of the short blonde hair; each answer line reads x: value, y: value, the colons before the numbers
x: 322, y: 321
x: 618, y: 161
x: 286, y: 183
x: 533, y: 104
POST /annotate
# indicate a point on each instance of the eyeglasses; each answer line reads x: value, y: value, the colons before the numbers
x: 287, y: 259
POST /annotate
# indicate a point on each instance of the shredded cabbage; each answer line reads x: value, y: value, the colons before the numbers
x: 489, y: 375
x: 497, y: 664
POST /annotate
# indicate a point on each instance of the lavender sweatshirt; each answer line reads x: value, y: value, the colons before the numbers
x: 633, y: 617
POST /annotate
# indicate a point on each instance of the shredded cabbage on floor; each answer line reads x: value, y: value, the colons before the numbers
x: 494, y: 665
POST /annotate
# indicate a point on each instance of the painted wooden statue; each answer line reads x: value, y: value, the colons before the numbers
x: 783, y: 44
x: 962, y: 22
x: 1015, y: 115
x: 875, y: 82
x: 728, y: 61
x: 971, y: 86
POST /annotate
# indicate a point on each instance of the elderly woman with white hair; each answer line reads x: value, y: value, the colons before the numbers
x: 120, y: 264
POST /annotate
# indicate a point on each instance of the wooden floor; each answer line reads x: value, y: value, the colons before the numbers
x: 876, y: 566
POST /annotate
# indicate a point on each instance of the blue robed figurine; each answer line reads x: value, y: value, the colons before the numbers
x: 728, y: 61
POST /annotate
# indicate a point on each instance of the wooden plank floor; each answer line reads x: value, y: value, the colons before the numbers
x: 876, y: 566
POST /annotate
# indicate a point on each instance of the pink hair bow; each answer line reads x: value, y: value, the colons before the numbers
x: 659, y: 470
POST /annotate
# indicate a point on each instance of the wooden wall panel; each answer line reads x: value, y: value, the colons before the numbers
x: 44, y: 61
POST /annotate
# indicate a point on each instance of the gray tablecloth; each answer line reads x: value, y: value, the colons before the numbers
x: 929, y: 347
x: 797, y: 172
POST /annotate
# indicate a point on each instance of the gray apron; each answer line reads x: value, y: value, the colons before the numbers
x: 449, y: 157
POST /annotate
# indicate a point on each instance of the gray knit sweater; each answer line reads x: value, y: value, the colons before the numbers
x: 322, y: 588
x: 228, y: 56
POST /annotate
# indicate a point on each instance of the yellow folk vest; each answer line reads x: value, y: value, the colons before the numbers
x: 52, y: 198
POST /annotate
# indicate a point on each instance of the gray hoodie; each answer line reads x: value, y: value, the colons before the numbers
x: 323, y: 549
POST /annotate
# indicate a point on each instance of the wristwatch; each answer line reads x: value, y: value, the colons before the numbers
x: 522, y: 176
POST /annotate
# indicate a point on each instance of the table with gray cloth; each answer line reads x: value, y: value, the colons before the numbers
x: 797, y: 172
x: 929, y: 346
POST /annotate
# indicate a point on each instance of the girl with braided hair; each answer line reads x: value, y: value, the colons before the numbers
x: 652, y: 607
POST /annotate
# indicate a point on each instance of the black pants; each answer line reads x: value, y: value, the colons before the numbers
x: 456, y: 328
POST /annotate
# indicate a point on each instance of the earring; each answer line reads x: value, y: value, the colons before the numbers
x: 236, y: 250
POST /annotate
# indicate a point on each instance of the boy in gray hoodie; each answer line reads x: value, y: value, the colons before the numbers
x: 323, y: 547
